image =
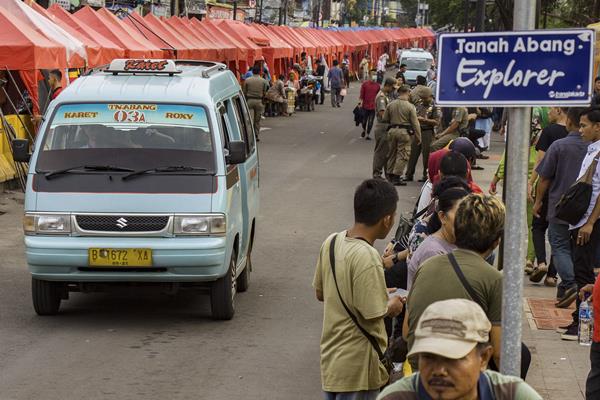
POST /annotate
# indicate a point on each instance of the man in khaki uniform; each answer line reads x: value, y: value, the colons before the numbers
x: 255, y: 88
x: 403, y: 120
x: 382, y: 148
x: 458, y: 127
x: 429, y: 120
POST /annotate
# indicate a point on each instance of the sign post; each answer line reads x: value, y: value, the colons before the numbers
x: 518, y: 69
x: 515, y: 247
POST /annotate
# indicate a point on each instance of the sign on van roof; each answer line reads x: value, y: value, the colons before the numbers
x: 143, y: 66
x: 515, y: 69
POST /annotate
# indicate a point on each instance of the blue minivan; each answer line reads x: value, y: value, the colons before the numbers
x: 143, y: 172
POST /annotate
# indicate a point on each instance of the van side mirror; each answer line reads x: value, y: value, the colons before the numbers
x: 20, y: 150
x: 237, y: 152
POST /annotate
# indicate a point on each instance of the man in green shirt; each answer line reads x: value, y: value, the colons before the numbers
x: 452, y: 344
x: 350, y: 364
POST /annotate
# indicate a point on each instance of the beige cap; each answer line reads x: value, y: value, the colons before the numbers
x: 451, y: 329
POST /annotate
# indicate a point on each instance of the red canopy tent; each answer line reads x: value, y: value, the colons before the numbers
x: 237, y: 30
x: 24, y: 49
x: 133, y: 34
x: 243, y: 58
x: 113, y: 30
x: 75, y: 50
x: 225, y: 51
x: 278, y: 51
x: 292, y: 41
x: 137, y: 24
x: 186, y: 49
x: 108, y: 51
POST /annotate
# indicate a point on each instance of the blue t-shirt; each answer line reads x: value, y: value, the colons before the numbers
x: 336, y: 78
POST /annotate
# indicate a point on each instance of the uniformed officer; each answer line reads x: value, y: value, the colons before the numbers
x: 404, y: 123
x: 458, y: 127
x: 382, y: 149
x: 429, y: 119
x: 255, y: 88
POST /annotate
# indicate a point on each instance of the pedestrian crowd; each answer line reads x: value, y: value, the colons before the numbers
x: 305, y: 85
x: 423, y: 319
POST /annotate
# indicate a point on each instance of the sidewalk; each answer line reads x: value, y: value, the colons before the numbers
x: 558, y: 368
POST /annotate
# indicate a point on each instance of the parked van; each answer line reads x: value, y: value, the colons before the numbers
x: 143, y: 172
x: 417, y: 63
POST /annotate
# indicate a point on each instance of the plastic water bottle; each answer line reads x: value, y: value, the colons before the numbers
x: 585, y: 324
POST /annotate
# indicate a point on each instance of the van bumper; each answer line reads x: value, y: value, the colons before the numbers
x: 182, y: 259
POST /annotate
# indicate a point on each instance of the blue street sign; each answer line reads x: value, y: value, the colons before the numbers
x: 529, y: 68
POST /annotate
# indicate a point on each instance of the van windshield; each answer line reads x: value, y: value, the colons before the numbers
x: 417, y: 64
x: 132, y: 136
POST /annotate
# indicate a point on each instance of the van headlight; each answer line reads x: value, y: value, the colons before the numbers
x: 206, y: 224
x: 47, y: 224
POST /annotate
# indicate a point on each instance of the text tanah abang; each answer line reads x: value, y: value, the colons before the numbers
x: 521, y: 45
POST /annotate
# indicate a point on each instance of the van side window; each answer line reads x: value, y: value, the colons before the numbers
x: 224, y: 131
x: 246, y: 123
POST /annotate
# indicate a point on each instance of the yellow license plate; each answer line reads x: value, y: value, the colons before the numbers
x: 120, y: 257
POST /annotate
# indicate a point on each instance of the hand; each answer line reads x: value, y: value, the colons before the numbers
x: 589, y: 288
x: 502, y: 131
x: 389, y: 250
x: 388, y: 261
x: 530, y: 192
x: 391, y: 290
x: 583, y: 236
x: 492, y: 190
x: 395, y: 306
x: 537, y: 207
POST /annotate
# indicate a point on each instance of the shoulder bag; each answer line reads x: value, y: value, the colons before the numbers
x: 463, y: 280
x: 574, y: 203
x: 383, y: 358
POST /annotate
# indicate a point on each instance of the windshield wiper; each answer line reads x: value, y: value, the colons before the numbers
x: 170, y: 168
x: 51, y: 174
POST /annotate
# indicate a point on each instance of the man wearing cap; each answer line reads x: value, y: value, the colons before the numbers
x: 428, y: 116
x: 452, y: 345
x: 404, y: 123
x: 255, y: 88
x: 380, y: 156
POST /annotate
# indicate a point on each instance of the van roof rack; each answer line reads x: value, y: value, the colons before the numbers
x: 211, y: 66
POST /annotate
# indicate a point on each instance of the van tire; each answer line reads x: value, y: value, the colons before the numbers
x: 222, y: 292
x: 46, y: 296
x: 243, y: 281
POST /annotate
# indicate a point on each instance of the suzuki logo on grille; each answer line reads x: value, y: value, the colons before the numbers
x: 121, y: 222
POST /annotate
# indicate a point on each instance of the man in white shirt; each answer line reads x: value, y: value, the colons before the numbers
x: 585, y: 235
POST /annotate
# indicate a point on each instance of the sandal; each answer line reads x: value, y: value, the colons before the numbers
x: 529, y: 267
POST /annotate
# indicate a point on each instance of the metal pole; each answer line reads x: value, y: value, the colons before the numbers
x: 234, y: 10
x: 515, y: 246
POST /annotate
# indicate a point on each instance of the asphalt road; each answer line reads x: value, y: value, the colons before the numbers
x: 147, y: 345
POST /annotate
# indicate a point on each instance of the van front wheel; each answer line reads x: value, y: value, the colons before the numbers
x: 222, y: 293
x: 46, y: 296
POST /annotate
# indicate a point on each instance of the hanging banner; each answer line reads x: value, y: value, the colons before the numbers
x: 512, y: 69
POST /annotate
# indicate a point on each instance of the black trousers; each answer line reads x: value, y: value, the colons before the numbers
x: 396, y: 277
x: 367, y: 122
x: 592, y: 385
x: 584, y: 261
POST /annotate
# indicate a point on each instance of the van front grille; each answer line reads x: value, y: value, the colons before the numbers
x: 122, y: 223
